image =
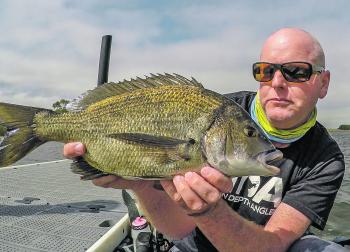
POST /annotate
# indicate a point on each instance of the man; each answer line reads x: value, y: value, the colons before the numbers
x: 258, y: 213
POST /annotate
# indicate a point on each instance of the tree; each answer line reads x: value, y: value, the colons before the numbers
x: 344, y: 127
x: 60, y: 106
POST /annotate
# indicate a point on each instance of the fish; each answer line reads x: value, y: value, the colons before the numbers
x: 154, y: 127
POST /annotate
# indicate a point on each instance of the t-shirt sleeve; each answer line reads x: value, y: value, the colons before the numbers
x: 242, y: 98
x: 315, y: 191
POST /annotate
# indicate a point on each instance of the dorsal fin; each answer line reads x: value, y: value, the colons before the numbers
x: 112, y: 89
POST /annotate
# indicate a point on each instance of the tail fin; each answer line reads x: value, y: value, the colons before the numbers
x: 19, y: 138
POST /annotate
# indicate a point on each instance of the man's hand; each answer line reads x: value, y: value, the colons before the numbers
x: 75, y: 149
x: 199, y: 193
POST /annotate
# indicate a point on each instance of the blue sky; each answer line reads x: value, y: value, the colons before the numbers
x: 50, y: 49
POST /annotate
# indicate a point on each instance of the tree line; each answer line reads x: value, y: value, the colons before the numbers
x: 344, y: 127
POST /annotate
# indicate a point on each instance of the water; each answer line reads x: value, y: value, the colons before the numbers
x: 338, y: 223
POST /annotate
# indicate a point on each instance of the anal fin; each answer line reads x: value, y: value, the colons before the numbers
x: 87, y: 172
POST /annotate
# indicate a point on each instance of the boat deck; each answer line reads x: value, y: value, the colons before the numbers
x: 45, y: 207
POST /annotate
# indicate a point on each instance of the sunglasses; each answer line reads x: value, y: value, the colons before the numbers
x: 291, y: 71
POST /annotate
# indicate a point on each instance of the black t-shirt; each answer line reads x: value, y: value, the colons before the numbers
x: 312, y: 170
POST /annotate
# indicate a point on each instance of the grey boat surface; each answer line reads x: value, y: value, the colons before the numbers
x: 45, y: 207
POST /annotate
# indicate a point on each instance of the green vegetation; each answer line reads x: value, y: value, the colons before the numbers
x: 60, y: 106
x: 344, y: 127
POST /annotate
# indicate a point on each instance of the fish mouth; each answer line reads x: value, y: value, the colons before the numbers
x: 269, y: 157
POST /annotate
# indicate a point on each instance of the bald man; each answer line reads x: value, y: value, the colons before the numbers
x: 210, y: 212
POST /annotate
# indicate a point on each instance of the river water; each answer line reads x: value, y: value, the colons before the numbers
x: 338, y: 223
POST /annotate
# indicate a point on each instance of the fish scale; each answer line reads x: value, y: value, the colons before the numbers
x: 149, y: 128
x: 142, y: 122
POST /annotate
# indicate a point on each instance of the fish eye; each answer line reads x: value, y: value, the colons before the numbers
x: 249, y: 131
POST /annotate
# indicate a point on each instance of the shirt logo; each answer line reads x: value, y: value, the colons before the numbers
x: 258, y: 196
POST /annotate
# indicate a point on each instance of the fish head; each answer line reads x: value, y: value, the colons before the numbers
x: 237, y: 146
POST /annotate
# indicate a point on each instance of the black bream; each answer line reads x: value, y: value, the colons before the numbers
x: 148, y: 128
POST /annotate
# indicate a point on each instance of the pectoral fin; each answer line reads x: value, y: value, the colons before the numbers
x: 175, y: 149
x: 150, y: 140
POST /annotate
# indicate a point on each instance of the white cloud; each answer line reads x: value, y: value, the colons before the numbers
x: 50, y: 49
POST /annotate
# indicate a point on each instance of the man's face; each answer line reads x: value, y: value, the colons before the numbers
x: 288, y: 104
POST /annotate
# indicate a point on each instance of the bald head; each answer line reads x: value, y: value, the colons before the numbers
x: 288, y: 104
x: 293, y: 43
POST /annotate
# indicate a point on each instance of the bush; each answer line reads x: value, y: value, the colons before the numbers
x: 344, y: 127
x: 60, y: 106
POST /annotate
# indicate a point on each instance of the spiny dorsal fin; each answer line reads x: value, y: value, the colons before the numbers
x: 112, y: 89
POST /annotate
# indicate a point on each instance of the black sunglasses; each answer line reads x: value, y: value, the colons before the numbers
x: 291, y: 71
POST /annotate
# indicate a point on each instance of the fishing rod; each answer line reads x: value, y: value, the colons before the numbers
x: 103, y: 66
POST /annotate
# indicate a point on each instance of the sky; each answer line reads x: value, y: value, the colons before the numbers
x: 50, y: 49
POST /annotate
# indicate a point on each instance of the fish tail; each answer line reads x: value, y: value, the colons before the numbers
x: 19, y: 137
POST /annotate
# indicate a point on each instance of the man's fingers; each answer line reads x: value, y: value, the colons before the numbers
x: 170, y: 189
x: 191, y: 199
x: 205, y: 190
x: 72, y: 150
x: 217, y: 179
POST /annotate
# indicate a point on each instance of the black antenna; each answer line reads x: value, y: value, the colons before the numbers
x: 104, y: 59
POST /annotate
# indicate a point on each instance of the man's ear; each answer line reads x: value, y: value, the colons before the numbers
x: 325, y: 78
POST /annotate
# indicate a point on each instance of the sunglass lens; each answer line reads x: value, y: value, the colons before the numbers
x: 297, y: 71
x: 263, y: 71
